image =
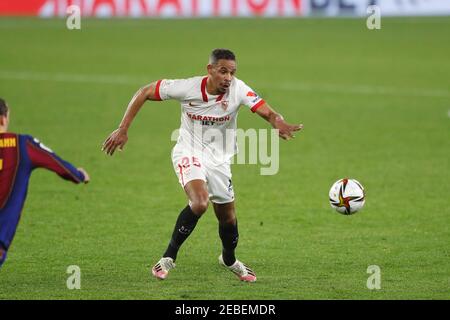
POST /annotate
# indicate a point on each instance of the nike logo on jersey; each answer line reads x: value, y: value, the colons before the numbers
x: 193, y: 105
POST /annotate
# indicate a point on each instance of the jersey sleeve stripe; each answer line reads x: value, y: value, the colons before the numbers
x: 203, y: 89
x: 256, y: 106
x: 157, y: 95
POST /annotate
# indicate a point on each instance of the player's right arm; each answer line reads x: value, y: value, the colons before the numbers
x: 156, y: 91
x: 119, y: 137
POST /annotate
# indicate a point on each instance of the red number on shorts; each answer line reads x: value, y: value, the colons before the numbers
x: 185, y: 162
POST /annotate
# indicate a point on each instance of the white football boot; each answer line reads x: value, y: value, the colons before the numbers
x: 243, y: 272
x: 161, y: 269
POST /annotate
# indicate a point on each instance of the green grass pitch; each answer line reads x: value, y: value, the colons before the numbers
x: 375, y: 106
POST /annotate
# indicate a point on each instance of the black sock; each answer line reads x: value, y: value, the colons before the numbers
x: 230, y: 236
x: 185, y: 224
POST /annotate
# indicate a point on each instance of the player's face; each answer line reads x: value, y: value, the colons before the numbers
x: 221, y: 74
x: 4, y: 121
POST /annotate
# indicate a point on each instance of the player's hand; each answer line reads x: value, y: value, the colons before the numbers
x: 117, y: 139
x: 286, y: 130
x: 86, y: 175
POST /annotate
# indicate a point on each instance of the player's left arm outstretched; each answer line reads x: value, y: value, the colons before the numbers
x: 286, y: 130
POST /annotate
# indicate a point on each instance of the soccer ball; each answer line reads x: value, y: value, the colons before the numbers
x: 347, y: 196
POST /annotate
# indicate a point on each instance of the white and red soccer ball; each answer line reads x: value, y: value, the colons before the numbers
x: 347, y: 196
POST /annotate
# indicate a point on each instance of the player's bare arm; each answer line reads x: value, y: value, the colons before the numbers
x: 119, y: 137
x: 286, y: 130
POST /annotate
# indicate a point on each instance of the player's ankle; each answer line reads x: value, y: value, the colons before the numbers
x: 228, y: 258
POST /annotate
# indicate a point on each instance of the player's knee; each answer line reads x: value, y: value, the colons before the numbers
x: 229, y: 220
x: 200, y: 205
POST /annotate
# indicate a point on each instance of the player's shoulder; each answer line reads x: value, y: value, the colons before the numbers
x: 183, y: 83
x: 195, y: 78
x: 241, y: 86
x: 13, y: 139
x: 238, y: 81
x: 26, y: 137
x: 190, y: 80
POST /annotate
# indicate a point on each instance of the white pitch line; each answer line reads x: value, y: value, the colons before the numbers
x: 68, y: 77
x: 289, y: 86
x: 365, y: 90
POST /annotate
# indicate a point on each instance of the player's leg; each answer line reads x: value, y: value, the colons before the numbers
x: 221, y: 192
x: 197, y: 193
x: 222, y: 196
x: 228, y: 231
x: 9, y: 220
x: 192, y: 178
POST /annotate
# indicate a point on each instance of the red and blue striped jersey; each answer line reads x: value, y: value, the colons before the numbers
x: 19, y: 156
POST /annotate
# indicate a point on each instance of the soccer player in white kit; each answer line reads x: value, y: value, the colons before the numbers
x: 203, y: 152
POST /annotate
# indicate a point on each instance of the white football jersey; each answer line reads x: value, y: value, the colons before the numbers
x: 208, y: 122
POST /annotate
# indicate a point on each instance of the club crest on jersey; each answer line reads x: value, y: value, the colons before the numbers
x: 224, y: 105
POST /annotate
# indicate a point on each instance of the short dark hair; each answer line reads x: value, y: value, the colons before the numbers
x: 218, y: 54
x: 3, y: 108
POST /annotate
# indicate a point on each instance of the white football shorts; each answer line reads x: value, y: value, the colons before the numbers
x: 217, y: 177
